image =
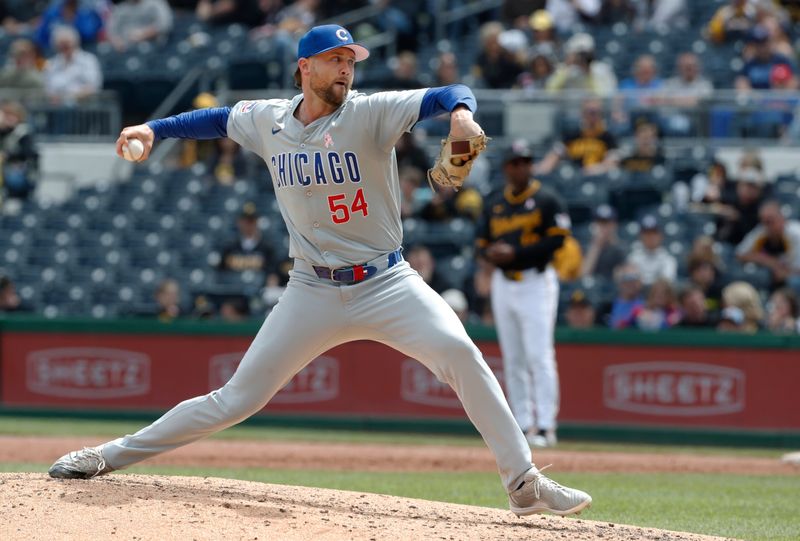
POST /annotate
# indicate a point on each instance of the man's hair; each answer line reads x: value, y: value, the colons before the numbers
x: 688, y: 290
x: 791, y: 298
x: 298, y: 79
x: 164, y: 284
x: 771, y: 203
x: 696, y: 261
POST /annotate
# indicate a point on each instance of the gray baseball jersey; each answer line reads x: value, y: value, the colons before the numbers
x: 335, y: 179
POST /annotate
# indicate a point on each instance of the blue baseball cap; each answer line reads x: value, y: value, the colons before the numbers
x: 328, y: 37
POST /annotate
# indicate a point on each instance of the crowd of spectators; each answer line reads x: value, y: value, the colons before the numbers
x: 527, y: 37
x: 543, y: 47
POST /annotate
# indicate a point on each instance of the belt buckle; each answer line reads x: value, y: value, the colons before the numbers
x: 345, y: 269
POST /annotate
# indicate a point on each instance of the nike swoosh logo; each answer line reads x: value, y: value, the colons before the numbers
x: 276, y: 130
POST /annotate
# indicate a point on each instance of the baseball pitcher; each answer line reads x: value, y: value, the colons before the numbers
x: 330, y: 154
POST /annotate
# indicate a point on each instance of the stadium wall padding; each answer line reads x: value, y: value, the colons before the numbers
x: 625, y: 385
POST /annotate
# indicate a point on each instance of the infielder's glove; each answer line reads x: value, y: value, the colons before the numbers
x: 455, y: 159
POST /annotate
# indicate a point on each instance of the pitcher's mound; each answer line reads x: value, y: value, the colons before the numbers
x: 144, y: 507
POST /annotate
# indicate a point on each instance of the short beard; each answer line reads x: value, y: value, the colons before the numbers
x: 326, y: 94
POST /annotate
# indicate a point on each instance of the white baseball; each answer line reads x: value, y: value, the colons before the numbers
x: 133, y: 150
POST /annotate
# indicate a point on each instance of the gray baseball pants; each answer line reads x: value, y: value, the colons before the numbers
x: 394, y: 307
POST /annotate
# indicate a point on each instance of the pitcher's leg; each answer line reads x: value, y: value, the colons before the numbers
x: 420, y: 324
x: 516, y: 370
x: 290, y: 338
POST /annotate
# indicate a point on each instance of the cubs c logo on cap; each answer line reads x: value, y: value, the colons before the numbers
x: 328, y: 37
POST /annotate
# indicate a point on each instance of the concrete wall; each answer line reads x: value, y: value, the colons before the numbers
x: 69, y: 166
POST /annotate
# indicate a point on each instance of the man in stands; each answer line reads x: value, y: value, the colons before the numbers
x: 650, y: 257
x: 605, y: 252
x: 774, y: 244
x: 757, y: 72
x: 591, y: 146
x: 136, y: 21
x: 72, y: 74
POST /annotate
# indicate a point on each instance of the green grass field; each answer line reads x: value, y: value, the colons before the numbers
x: 740, y: 506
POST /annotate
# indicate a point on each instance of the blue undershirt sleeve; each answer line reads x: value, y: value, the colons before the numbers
x: 211, y: 123
x: 444, y: 99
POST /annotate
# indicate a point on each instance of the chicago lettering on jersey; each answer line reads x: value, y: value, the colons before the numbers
x: 303, y: 168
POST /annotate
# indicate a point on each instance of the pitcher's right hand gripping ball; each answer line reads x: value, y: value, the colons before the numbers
x: 143, y: 133
x: 455, y: 159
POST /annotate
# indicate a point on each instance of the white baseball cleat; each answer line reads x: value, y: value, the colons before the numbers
x: 792, y: 458
x: 541, y: 438
x: 83, y: 464
x: 540, y: 494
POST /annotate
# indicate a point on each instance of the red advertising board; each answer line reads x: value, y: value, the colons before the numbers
x: 671, y: 386
x: 680, y: 386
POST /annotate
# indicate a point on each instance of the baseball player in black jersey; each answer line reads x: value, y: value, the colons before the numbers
x: 523, y: 227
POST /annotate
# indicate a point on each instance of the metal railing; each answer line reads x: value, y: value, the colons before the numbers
x: 724, y: 114
x: 93, y: 119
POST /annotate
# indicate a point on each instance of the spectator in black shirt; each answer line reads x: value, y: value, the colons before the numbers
x: 592, y: 146
x: 250, y: 251
x: 739, y: 215
x: 646, y: 152
x: 605, y: 252
x: 694, y: 309
x: 495, y: 66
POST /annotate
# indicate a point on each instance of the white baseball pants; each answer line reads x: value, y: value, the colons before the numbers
x: 396, y: 308
x: 525, y: 318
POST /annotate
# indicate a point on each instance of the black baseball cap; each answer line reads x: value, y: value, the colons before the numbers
x: 249, y: 211
x: 605, y: 213
x: 649, y: 223
x: 579, y: 298
x: 518, y: 150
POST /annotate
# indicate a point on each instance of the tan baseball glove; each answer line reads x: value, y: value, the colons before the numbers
x: 455, y: 159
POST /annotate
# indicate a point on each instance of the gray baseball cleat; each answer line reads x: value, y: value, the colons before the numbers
x: 540, y: 494
x: 83, y: 464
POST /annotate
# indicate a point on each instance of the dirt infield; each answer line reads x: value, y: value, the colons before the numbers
x: 372, y: 457
x: 32, y: 506
x: 146, y: 507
